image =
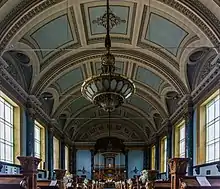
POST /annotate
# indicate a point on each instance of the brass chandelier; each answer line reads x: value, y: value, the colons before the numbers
x: 108, y: 90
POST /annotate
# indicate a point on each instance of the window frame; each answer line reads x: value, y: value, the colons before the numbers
x: 201, y: 127
x: 66, y: 158
x: 16, y: 131
x: 214, y: 141
x: 153, y: 155
x: 42, y: 144
x: 56, y: 152
x: 177, y: 139
x: 163, y: 154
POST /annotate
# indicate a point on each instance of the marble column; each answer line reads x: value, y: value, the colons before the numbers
x: 157, y: 154
x: 30, y: 140
x: 50, y: 159
x: 62, y: 153
x: 189, y: 134
x: 169, y: 145
x: 126, y: 163
x: 92, y: 163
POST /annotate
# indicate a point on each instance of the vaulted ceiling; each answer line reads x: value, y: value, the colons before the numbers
x: 52, y: 46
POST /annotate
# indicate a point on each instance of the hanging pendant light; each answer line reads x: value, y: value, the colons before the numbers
x: 108, y: 90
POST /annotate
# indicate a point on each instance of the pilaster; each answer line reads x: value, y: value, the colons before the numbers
x: 30, y: 140
x: 62, y: 153
x: 92, y: 163
x: 126, y: 163
x: 50, y: 160
x: 189, y: 134
x: 169, y: 145
x: 157, y: 153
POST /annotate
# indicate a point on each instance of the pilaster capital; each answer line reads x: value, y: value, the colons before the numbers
x: 30, y: 109
x: 51, y: 129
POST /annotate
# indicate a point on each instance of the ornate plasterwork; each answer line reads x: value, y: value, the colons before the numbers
x: 194, y: 10
x: 154, y: 64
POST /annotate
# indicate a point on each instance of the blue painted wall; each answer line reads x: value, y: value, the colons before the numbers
x: 83, y: 159
x: 135, y: 159
x: 120, y: 159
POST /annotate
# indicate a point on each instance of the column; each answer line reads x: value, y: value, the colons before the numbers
x: 169, y: 146
x: 92, y: 163
x: 50, y: 160
x: 72, y: 158
x: 189, y: 134
x: 148, y: 158
x: 30, y: 113
x: 126, y: 163
x: 145, y: 159
x: 157, y: 154
x: 62, y: 154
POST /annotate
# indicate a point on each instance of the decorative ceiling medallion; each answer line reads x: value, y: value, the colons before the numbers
x: 113, y: 20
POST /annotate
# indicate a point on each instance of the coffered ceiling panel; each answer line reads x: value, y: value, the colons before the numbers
x: 70, y: 79
x: 96, y: 21
x: 149, y: 78
x: 141, y: 104
x: 165, y: 33
x: 121, y: 20
x: 53, y: 35
x: 78, y: 104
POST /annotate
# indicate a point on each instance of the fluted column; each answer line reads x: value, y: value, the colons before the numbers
x: 50, y: 160
x: 189, y: 134
x: 30, y: 140
x: 62, y: 153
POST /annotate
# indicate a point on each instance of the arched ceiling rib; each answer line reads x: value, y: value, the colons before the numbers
x: 64, y: 40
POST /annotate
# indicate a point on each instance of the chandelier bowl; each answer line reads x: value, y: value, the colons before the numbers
x: 108, y: 91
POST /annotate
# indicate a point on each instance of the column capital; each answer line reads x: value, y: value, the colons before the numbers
x: 30, y: 109
x: 51, y: 129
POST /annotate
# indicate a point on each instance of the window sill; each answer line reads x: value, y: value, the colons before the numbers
x: 207, y: 164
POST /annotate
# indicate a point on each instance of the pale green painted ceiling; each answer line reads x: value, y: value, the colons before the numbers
x: 75, y: 31
x: 70, y: 79
x: 165, y: 33
x: 96, y: 12
x: 149, y: 78
x: 53, y: 35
